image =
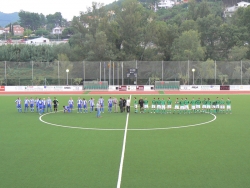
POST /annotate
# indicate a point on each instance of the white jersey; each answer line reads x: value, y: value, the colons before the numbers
x: 70, y: 102
x: 79, y: 101
x: 49, y: 102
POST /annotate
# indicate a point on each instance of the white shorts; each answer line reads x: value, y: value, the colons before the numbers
x: 186, y: 107
x: 135, y: 105
x: 213, y: 106
x: 145, y: 105
x: 169, y: 106
x: 222, y: 106
x: 208, y: 106
x: 197, y: 106
x: 176, y: 107
x: 204, y: 106
x: 182, y: 107
x: 158, y: 106
x: 217, y: 106
x: 153, y: 106
x: 229, y: 107
x: 163, y: 107
x: 193, y: 107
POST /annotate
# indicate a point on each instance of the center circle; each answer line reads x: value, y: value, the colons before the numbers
x: 129, y: 129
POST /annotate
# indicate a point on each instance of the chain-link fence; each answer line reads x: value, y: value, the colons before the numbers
x: 116, y: 73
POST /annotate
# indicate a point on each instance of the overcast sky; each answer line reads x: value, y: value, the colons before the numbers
x: 67, y: 8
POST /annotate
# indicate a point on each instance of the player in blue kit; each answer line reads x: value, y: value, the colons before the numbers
x: 66, y: 109
x: 71, y: 104
x: 36, y: 104
x: 26, y: 104
x: 92, y: 104
x: 40, y: 106
x: 18, y: 105
x: 49, y: 104
x: 44, y: 104
x: 101, y: 102
x: 110, y: 103
x: 32, y: 103
x: 85, y: 105
x: 79, y: 105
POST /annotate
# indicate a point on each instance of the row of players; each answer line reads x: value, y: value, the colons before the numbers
x: 183, y: 105
x: 157, y: 105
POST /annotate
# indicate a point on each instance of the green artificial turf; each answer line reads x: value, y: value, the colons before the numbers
x: 35, y: 154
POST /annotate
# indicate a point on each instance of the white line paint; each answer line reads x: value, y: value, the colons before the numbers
x: 123, y: 152
x: 146, y: 129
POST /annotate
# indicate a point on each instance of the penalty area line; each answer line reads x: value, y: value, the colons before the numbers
x: 123, y: 151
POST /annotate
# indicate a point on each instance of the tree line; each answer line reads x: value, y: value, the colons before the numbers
x: 131, y: 30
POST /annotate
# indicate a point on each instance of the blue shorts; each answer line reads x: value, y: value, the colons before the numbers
x: 31, y: 105
x: 79, y: 106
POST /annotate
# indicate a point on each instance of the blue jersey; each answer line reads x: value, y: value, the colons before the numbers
x: 36, y: 101
x: 101, y: 101
x: 44, y: 103
x: 71, y: 103
x: 26, y: 102
x: 91, y: 102
x: 84, y: 102
x: 32, y: 102
x: 18, y: 103
x: 40, y: 104
x: 79, y: 103
x: 49, y: 102
x: 110, y: 102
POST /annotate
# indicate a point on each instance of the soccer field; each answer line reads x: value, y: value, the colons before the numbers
x: 124, y: 150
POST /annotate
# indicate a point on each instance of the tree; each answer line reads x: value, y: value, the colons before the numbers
x: 165, y: 36
x: 198, y: 10
x: 41, y: 32
x: 188, y: 47
x: 209, y: 27
x: 29, y: 20
x: 27, y: 32
x: 238, y: 53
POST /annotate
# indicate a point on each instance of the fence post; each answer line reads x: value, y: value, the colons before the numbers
x: 104, y: 71
x: 162, y: 70
x: 109, y: 66
x: 241, y: 72
x: 137, y: 71
x: 58, y: 73
x: 118, y: 73
x: 215, y: 71
x: 113, y: 73
x: 32, y: 77
x: 5, y: 74
x: 188, y: 72
x: 122, y: 74
x: 83, y: 71
x: 100, y: 71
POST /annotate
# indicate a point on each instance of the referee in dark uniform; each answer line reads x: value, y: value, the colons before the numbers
x: 55, y: 104
x: 141, y: 102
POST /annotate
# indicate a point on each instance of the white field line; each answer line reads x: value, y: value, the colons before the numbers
x: 123, y: 152
x: 141, y: 129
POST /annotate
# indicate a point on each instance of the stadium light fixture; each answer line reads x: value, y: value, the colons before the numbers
x: 67, y: 71
x: 193, y: 70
